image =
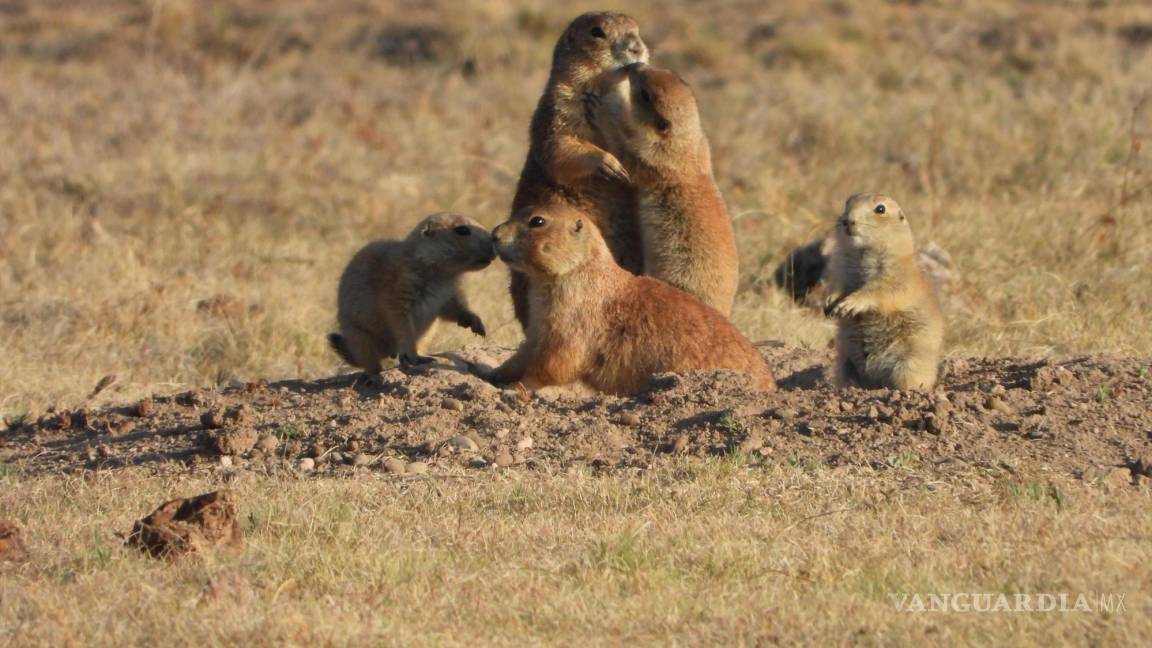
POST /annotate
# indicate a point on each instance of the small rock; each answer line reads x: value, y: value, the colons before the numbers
x: 307, y: 464
x: 503, y: 460
x: 188, y: 525
x: 998, y: 389
x: 997, y: 404
x: 268, y: 443
x: 462, y: 444
x: 226, y: 461
x: 873, y: 413
x: 502, y: 433
x: 336, y: 457
x: 394, y: 466
x: 12, y: 547
x: 452, y: 404
x: 143, y: 408
x: 235, y: 441
x: 416, y: 468
x: 525, y: 443
x: 211, y: 420
x: 316, y: 451
x: 361, y: 460
x: 783, y: 413
x: 629, y: 418
x: 354, y: 445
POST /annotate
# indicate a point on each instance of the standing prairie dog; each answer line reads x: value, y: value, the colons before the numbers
x: 595, y: 323
x: 649, y: 119
x: 392, y: 292
x: 890, y: 329
x: 565, y: 163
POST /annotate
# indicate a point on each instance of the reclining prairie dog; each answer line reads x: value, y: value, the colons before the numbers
x: 649, y: 119
x: 595, y: 323
x: 392, y: 292
x: 565, y: 163
x: 890, y: 329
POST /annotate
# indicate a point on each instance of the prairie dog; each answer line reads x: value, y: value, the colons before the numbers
x: 392, y: 292
x: 890, y: 329
x: 565, y: 163
x: 593, y: 322
x: 649, y: 119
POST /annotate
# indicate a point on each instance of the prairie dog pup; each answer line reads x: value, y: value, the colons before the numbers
x: 649, y: 119
x: 392, y: 292
x: 595, y: 323
x: 564, y: 163
x: 890, y: 329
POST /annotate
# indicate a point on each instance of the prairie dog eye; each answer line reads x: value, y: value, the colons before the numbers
x: 462, y: 230
x: 663, y: 125
x: 880, y: 209
x: 536, y: 221
x: 644, y: 95
x: 598, y: 33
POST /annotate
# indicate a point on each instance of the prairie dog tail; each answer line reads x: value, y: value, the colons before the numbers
x: 336, y: 341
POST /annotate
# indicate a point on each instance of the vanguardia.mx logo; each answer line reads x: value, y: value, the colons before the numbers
x: 984, y: 602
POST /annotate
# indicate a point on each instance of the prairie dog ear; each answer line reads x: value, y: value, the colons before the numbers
x: 427, y: 229
x: 579, y: 225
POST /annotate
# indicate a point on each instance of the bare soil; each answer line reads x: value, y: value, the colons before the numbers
x: 1082, y: 417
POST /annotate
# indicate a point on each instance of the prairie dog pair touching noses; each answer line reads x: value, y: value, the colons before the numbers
x: 595, y: 323
x: 649, y: 120
x: 890, y: 329
x: 392, y: 292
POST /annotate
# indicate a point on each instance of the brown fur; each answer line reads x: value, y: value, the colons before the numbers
x: 593, y: 322
x: 890, y: 327
x: 564, y: 162
x: 392, y: 292
x: 649, y: 119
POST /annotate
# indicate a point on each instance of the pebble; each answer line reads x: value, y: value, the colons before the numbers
x: 362, y: 460
x: 629, y: 418
x: 997, y: 404
x: 211, y: 420
x: 452, y: 404
x: 336, y: 457
x: 504, y: 460
x: 226, y: 461
x: 462, y: 443
x: 525, y: 443
x: 416, y: 468
x: 307, y: 464
x: 394, y: 466
x: 502, y: 433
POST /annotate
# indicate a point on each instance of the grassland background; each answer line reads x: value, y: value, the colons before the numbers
x: 181, y: 181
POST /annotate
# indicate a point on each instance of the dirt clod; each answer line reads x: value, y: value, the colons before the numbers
x: 503, y: 460
x: 362, y: 460
x: 452, y: 405
x: 12, y: 547
x: 394, y: 466
x: 189, y: 525
x: 234, y: 441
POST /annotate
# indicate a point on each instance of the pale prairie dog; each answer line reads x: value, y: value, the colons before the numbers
x: 564, y: 162
x: 592, y: 322
x: 392, y: 292
x: 890, y: 329
x: 649, y: 119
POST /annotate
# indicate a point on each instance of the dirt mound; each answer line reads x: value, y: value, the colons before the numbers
x: 188, y: 525
x: 1080, y: 417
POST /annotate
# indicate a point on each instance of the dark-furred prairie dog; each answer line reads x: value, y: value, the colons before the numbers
x: 595, y: 323
x: 890, y: 330
x: 564, y: 163
x: 392, y: 292
x: 649, y: 119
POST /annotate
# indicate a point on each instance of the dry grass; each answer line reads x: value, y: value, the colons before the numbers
x: 159, y: 154
x: 699, y: 552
